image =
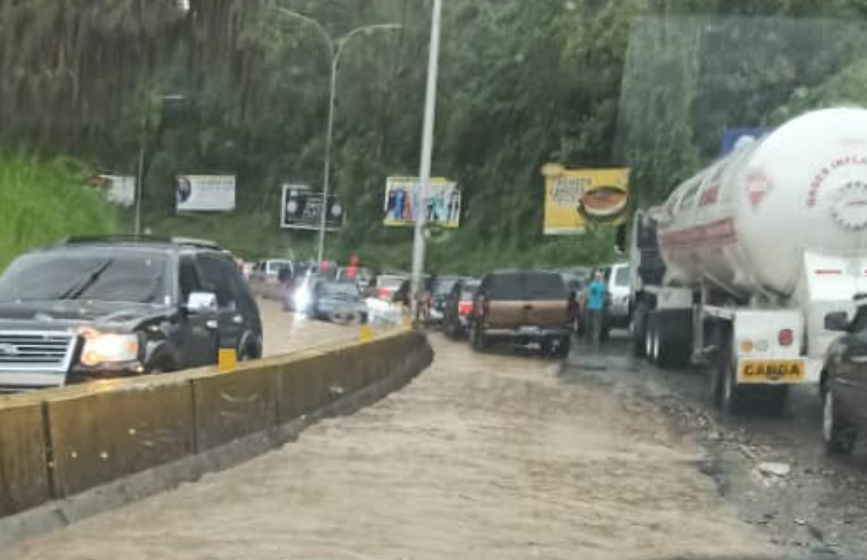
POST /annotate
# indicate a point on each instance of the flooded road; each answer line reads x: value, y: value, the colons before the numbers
x: 288, y: 332
x: 772, y: 469
x: 482, y: 456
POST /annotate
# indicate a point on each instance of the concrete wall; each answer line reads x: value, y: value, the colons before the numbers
x: 58, y: 443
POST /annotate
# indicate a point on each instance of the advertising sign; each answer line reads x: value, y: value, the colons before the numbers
x: 575, y: 198
x: 302, y: 209
x: 119, y: 189
x: 402, y: 196
x: 205, y: 193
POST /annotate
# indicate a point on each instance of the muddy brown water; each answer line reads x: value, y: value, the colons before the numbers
x: 482, y: 456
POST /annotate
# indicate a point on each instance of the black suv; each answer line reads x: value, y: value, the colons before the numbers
x: 95, y: 308
x: 844, y: 382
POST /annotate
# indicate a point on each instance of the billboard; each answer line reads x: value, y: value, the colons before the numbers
x: 575, y: 198
x: 302, y: 209
x: 205, y: 193
x: 119, y: 189
x: 402, y: 202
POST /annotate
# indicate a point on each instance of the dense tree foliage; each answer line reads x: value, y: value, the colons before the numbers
x: 650, y: 84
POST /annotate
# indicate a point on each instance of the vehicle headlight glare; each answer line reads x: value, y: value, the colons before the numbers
x: 103, y: 348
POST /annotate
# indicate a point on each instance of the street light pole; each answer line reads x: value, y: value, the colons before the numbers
x: 426, y: 155
x: 139, y: 186
x: 335, y: 49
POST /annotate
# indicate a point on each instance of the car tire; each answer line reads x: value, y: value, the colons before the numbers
x: 564, y: 346
x: 838, y: 432
x: 478, y: 339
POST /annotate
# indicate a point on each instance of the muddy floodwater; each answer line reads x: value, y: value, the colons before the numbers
x: 483, y: 456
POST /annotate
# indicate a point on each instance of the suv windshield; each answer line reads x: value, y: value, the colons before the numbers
x: 134, y: 277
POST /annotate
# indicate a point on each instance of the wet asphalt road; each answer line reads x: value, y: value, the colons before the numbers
x: 818, y: 510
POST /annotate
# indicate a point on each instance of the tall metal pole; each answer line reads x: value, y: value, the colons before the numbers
x: 335, y: 49
x: 139, y: 187
x: 426, y: 155
x: 326, y: 175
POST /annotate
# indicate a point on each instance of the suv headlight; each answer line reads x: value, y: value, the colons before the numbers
x: 101, y: 348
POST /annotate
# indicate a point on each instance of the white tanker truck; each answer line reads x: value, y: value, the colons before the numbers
x: 740, y: 266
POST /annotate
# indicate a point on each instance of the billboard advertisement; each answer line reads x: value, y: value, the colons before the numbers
x: 302, y: 209
x: 402, y: 196
x: 205, y: 193
x: 576, y: 198
x: 119, y: 189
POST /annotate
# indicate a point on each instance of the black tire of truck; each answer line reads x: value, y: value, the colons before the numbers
x: 638, y: 330
x: 672, y: 329
x: 727, y: 395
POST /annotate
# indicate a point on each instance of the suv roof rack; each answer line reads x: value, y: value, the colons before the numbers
x: 193, y: 242
x: 131, y: 238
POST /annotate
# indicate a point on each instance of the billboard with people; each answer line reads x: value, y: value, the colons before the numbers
x: 402, y: 202
x: 575, y: 198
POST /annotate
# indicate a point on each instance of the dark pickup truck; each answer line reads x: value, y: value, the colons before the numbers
x: 524, y: 308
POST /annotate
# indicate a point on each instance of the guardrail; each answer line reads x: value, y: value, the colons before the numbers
x: 59, y: 443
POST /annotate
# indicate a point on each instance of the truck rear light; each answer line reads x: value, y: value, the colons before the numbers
x: 786, y: 337
x: 465, y: 308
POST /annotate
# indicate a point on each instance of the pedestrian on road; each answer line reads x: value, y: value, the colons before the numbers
x: 596, y: 293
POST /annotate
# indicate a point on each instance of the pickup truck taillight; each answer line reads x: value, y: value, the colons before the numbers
x: 465, y: 308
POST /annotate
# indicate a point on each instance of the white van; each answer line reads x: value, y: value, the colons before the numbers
x: 617, y: 279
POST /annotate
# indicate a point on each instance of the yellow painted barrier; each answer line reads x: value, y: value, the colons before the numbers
x: 23, y: 469
x: 101, y: 432
x: 106, y: 430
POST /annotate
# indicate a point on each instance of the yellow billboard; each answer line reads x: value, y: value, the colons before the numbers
x: 575, y: 198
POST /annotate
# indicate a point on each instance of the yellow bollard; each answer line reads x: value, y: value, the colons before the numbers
x: 227, y: 360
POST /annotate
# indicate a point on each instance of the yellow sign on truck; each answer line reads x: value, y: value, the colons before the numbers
x: 577, y: 197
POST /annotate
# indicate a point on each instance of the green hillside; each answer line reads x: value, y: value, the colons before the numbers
x: 44, y: 201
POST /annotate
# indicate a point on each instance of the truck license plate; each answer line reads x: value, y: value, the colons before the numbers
x: 771, y: 371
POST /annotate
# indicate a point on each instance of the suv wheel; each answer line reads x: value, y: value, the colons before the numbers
x: 477, y: 338
x: 837, y: 432
x: 563, y: 347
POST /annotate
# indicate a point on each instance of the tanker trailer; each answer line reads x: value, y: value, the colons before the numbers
x: 741, y: 265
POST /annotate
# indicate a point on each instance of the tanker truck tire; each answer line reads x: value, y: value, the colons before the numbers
x: 725, y: 392
x: 671, y: 337
x: 638, y: 329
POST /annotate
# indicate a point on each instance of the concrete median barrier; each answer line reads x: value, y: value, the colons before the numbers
x: 79, y: 450
x: 108, y: 430
x: 23, y: 473
x: 234, y: 404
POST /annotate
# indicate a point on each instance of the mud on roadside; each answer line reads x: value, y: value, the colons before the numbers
x: 772, y: 471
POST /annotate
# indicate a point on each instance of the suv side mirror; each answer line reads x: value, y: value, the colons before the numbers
x: 837, y: 321
x: 200, y: 303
